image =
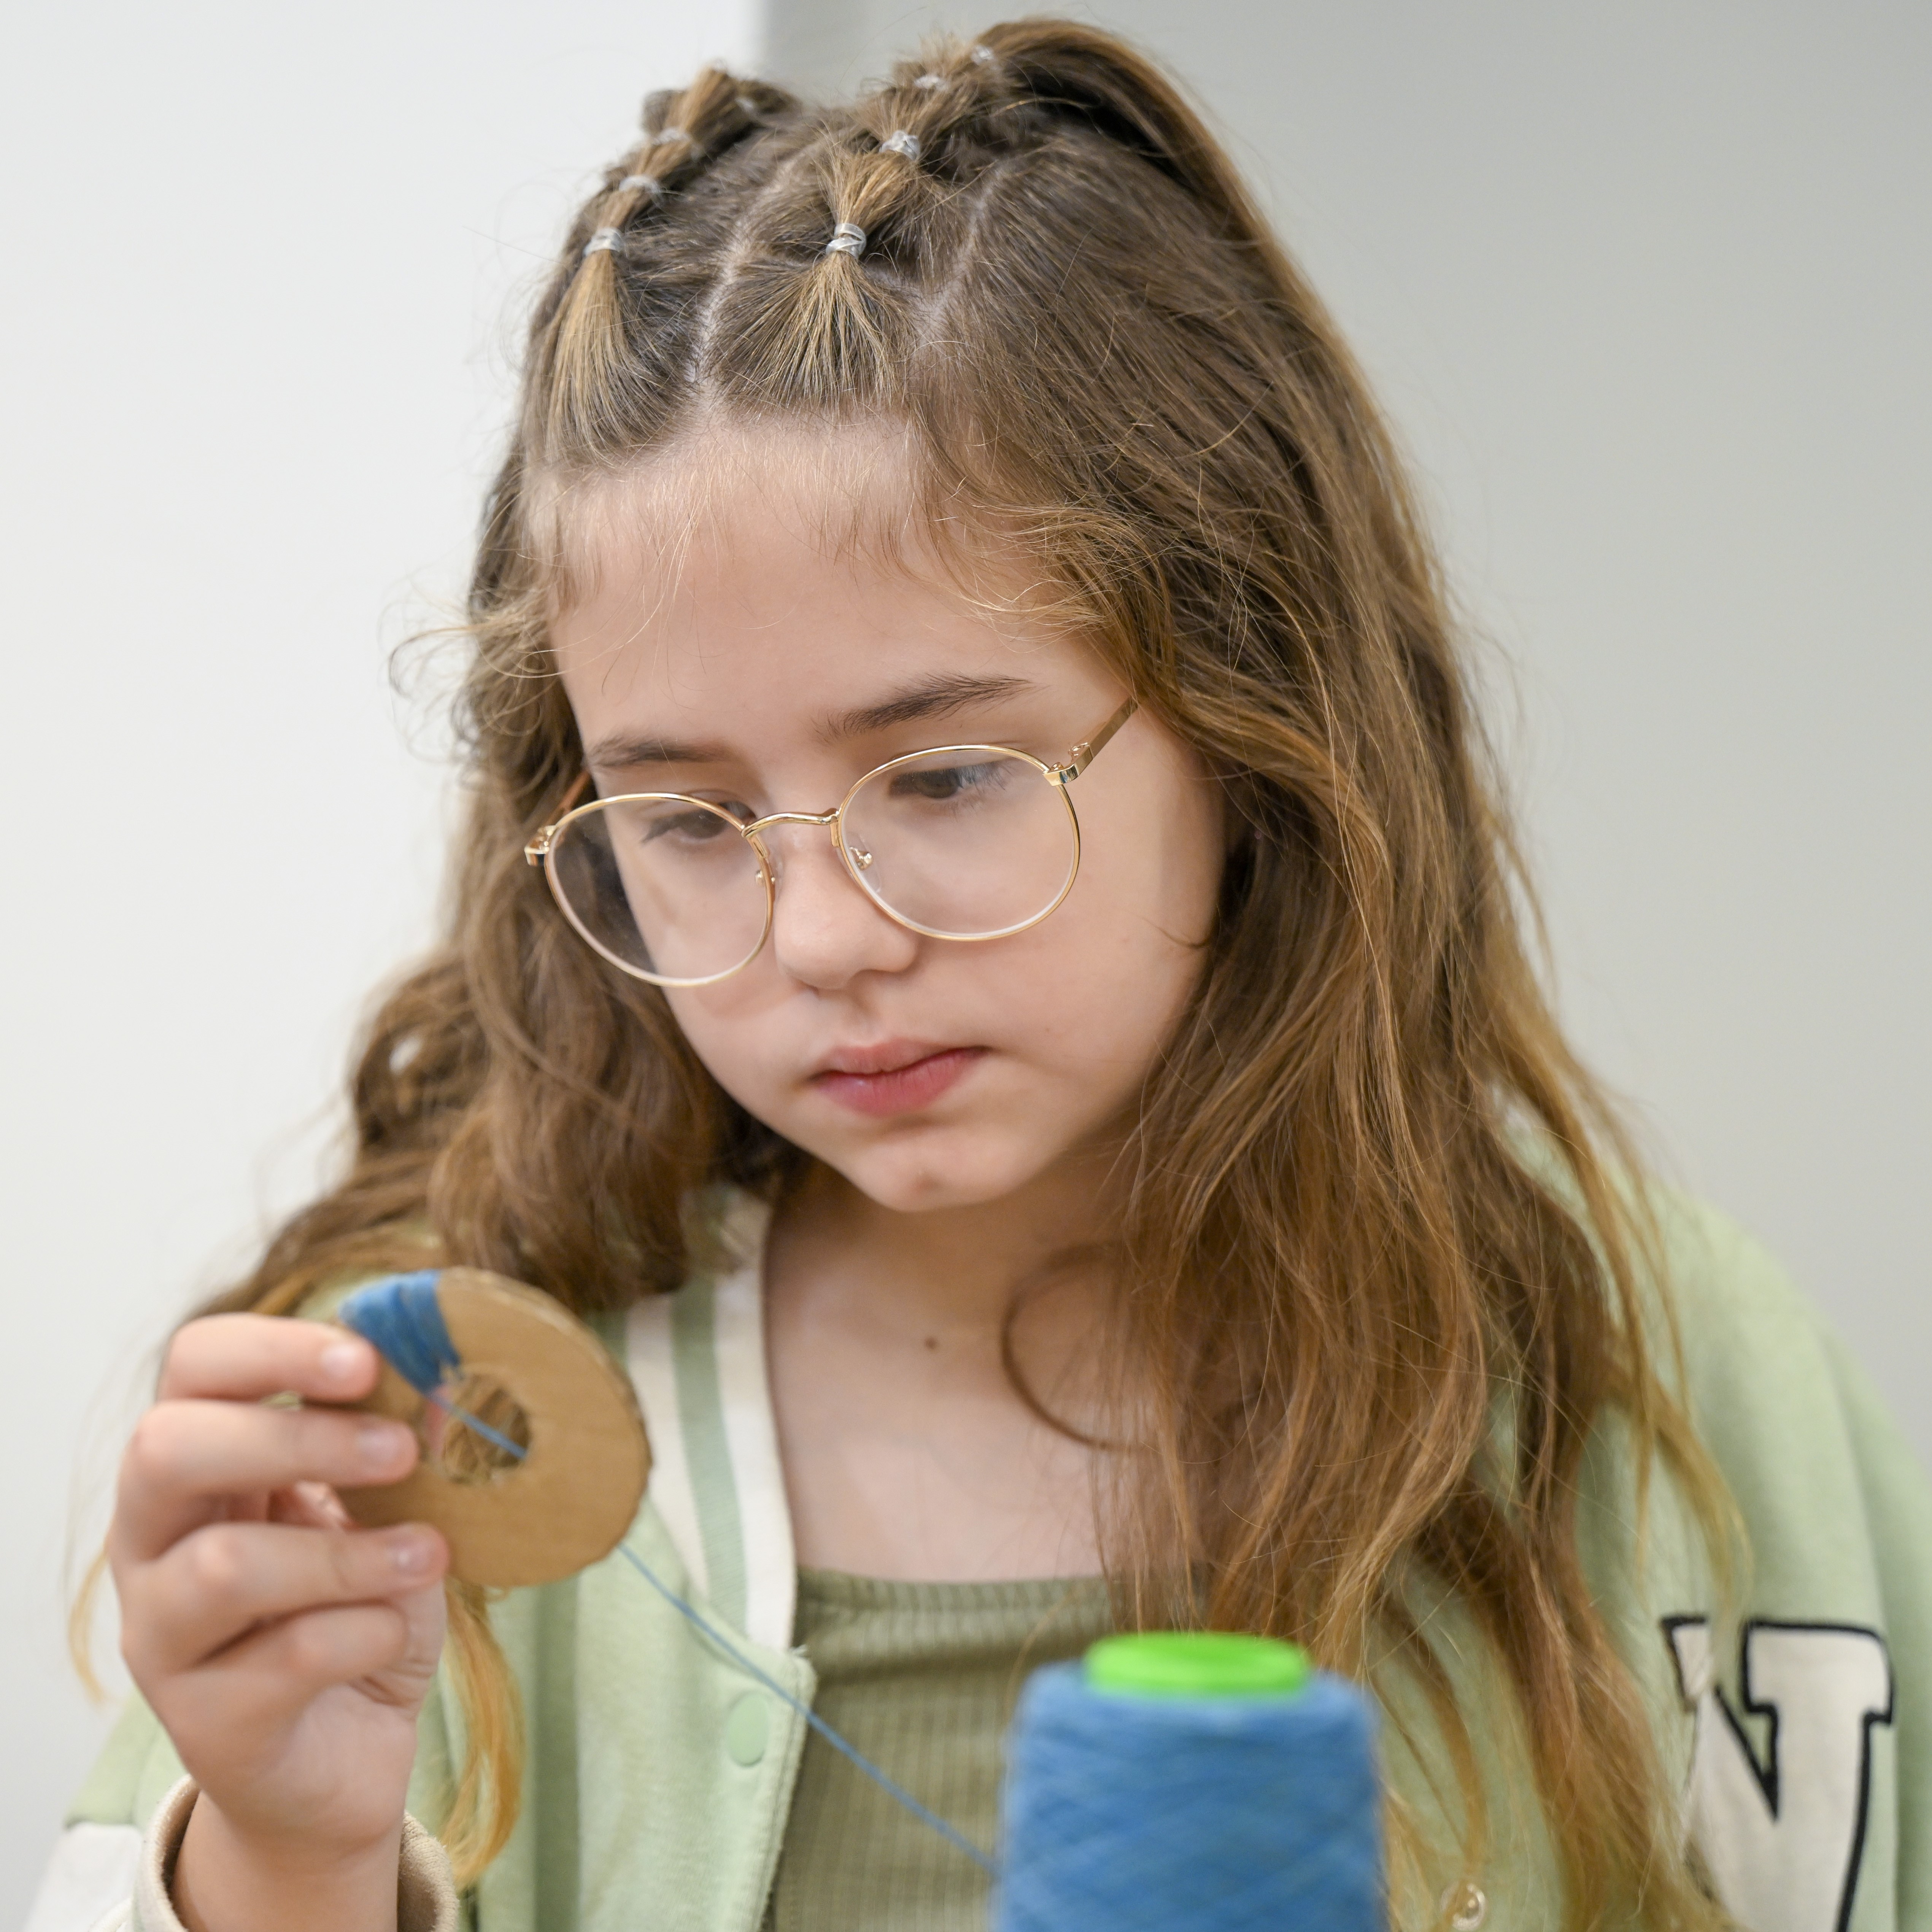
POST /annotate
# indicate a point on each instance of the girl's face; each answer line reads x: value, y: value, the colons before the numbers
x: 767, y: 666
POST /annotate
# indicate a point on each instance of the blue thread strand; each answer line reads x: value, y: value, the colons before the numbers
x: 476, y: 1422
x: 400, y: 1316
x: 883, y: 1779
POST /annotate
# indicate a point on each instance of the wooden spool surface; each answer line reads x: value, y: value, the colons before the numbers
x: 572, y: 1498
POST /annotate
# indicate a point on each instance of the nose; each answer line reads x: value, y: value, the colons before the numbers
x: 825, y: 929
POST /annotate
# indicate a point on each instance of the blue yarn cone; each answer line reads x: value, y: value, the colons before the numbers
x: 1125, y: 1812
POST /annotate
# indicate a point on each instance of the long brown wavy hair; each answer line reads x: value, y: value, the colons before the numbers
x: 1371, y: 1192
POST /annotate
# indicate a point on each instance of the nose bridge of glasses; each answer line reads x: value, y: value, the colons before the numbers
x: 793, y: 818
x: 773, y: 854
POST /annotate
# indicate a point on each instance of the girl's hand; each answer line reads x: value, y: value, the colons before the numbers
x: 287, y: 1652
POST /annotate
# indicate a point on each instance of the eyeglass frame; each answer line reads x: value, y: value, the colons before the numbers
x: 540, y: 849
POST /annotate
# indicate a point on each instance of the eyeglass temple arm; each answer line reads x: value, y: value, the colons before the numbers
x: 1084, y: 753
x: 533, y: 853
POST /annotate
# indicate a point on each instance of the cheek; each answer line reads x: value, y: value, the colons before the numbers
x: 1076, y: 1011
x: 1144, y: 909
x: 1109, y: 996
x: 735, y: 1027
x: 1091, y: 996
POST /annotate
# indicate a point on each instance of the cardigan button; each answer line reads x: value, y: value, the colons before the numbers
x: 1465, y: 1906
x: 747, y: 1727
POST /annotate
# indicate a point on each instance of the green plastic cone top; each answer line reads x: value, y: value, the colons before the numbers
x: 1197, y: 1663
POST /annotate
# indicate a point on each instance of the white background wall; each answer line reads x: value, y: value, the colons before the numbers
x: 255, y: 362
x: 1645, y: 286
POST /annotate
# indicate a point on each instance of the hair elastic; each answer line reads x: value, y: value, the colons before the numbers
x: 930, y: 81
x: 651, y: 185
x: 983, y: 54
x: 848, y: 238
x: 900, y: 142
x: 604, y: 238
x: 673, y: 134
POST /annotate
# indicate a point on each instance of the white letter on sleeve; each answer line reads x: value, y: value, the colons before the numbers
x: 1783, y: 1835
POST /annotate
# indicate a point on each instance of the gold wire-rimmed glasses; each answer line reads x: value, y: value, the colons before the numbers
x: 958, y: 841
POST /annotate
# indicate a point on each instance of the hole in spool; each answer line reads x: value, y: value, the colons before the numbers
x: 463, y: 1454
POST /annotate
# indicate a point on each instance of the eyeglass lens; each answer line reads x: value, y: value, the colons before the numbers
x: 669, y: 887
x: 965, y: 845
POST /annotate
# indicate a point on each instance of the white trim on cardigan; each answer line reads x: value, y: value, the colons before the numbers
x: 751, y: 1443
x: 647, y: 1350
x: 751, y: 1433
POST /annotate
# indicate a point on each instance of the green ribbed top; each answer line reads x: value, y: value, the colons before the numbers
x: 922, y: 1678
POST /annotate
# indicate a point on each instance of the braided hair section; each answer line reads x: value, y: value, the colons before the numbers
x: 580, y: 342
x: 750, y: 250
x: 831, y: 287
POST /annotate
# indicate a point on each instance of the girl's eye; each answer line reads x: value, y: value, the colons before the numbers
x: 692, y: 828
x: 951, y: 783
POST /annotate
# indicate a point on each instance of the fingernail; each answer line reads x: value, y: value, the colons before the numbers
x: 411, y: 1552
x: 341, y: 1361
x: 379, y: 1443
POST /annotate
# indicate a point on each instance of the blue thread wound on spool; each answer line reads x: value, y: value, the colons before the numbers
x: 400, y: 1316
x: 1126, y: 1812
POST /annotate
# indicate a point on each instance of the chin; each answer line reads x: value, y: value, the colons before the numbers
x: 925, y: 1172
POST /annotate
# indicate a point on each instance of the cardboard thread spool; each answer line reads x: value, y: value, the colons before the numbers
x: 574, y: 1495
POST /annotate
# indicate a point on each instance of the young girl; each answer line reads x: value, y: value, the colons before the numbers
x: 985, y: 956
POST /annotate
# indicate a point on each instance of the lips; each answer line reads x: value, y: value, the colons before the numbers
x: 895, y: 1077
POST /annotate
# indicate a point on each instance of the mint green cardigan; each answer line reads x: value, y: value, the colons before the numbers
x: 660, y: 1775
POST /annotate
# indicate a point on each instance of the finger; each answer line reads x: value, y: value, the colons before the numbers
x: 264, y: 1680
x: 425, y: 1618
x: 426, y: 1614
x: 186, y: 1458
x: 244, y: 1357
x: 312, y: 1505
x: 226, y: 1579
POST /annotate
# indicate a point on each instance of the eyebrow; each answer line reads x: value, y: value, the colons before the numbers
x: 939, y: 696
x: 620, y: 750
